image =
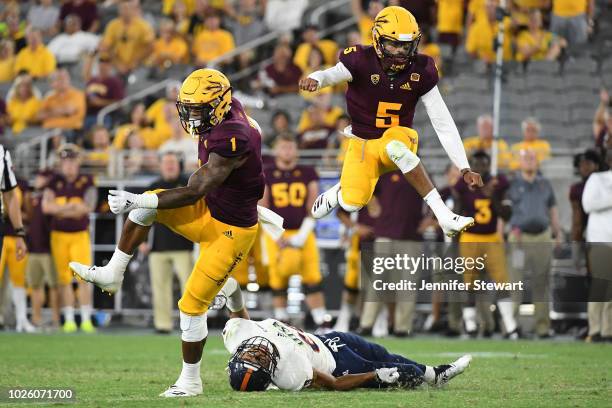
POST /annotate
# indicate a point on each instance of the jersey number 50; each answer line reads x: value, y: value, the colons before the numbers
x: 387, y: 114
x: 285, y: 194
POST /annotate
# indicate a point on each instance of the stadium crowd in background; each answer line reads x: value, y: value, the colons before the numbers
x: 62, y: 63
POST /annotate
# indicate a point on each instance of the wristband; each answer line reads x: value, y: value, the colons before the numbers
x: 20, y: 232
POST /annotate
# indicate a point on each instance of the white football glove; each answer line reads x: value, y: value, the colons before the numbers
x: 122, y: 201
x: 387, y: 375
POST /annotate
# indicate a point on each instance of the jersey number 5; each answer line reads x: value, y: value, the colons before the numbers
x: 387, y: 114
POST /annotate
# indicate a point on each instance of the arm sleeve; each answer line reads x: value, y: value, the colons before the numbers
x: 332, y: 76
x: 445, y: 127
x: 9, y: 181
x: 595, y: 196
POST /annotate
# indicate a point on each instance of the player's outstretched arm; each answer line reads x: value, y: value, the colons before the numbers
x: 447, y: 132
x: 208, y: 177
x: 351, y: 381
x: 328, y: 77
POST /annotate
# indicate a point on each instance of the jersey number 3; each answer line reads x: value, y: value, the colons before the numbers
x: 387, y: 114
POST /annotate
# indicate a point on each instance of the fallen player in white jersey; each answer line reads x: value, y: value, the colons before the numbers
x: 269, y: 353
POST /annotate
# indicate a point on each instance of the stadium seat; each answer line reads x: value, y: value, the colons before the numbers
x: 544, y: 67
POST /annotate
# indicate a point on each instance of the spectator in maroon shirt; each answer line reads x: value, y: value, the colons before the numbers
x: 282, y: 75
x: 586, y: 164
x: 87, y: 10
x: 319, y: 134
x: 102, y: 90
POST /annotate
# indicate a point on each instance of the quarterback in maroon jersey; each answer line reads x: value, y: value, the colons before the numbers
x: 217, y: 209
x: 385, y: 82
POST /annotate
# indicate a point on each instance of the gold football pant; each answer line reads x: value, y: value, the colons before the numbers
x: 66, y: 247
x: 293, y: 261
x: 351, y: 277
x: 367, y: 160
x: 255, y: 258
x: 8, y: 259
x: 489, y: 246
x: 222, y: 248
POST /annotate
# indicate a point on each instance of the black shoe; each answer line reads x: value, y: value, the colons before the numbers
x: 402, y: 334
x: 607, y: 339
x: 162, y: 331
x: 513, y: 335
x: 472, y: 334
x: 364, y: 332
x: 487, y: 334
x: 596, y: 338
x: 452, y: 333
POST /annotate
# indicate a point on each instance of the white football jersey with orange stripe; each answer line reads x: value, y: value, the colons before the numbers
x: 299, y: 352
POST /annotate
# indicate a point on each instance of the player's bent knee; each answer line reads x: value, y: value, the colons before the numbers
x: 193, y: 328
x: 143, y: 216
x: 348, y: 207
x: 404, y: 158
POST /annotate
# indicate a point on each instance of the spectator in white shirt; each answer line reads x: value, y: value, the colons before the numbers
x: 69, y: 46
x: 597, y: 203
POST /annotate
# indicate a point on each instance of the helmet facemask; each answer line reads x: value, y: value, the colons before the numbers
x: 397, y: 55
x: 198, y: 118
x: 259, y: 355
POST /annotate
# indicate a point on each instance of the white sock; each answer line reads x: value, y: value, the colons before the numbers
x: 429, y: 375
x: 280, y: 313
x: 190, y: 373
x: 85, y: 313
x: 506, y: 310
x: 68, y: 312
x: 434, y: 201
x: 346, y: 312
x: 19, y: 300
x: 119, y: 261
x: 469, y: 318
x: 318, y: 315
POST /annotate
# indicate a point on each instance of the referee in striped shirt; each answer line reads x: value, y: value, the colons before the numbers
x: 9, y: 204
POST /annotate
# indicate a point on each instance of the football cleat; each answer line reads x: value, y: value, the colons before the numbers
x: 456, y: 225
x: 326, y: 202
x: 178, y: 391
x: 101, y: 276
x: 446, y: 372
x: 69, y: 327
x: 87, y: 327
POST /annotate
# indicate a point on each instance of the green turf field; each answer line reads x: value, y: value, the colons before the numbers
x: 131, y: 370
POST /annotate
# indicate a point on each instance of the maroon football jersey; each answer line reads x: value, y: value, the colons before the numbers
x: 235, y: 201
x: 401, y: 208
x: 66, y: 192
x: 377, y: 101
x: 476, y: 204
x: 288, y: 192
x: 38, y: 226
